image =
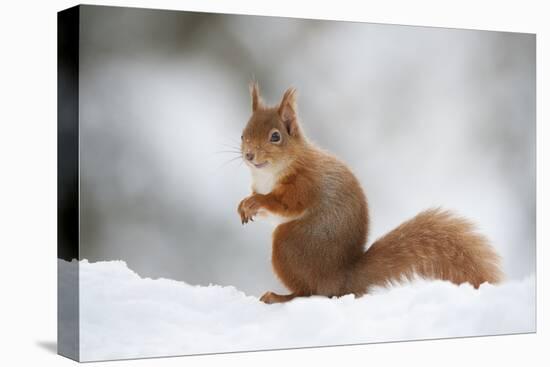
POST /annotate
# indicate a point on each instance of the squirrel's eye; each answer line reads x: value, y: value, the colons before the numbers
x: 275, y: 137
x: 242, y: 137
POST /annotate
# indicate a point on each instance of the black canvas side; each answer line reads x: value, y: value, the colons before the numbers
x: 68, y: 24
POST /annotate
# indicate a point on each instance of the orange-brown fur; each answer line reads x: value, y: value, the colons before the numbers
x: 318, y: 249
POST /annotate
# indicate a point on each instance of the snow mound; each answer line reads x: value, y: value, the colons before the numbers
x: 125, y: 316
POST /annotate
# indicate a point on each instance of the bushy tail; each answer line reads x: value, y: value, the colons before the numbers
x: 434, y: 244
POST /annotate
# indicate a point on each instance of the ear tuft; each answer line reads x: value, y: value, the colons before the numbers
x: 287, y: 111
x: 255, y: 94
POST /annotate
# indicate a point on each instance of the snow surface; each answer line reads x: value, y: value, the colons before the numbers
x: 125, y: 316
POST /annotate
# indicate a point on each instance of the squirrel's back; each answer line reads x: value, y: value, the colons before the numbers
x: 314, y: 252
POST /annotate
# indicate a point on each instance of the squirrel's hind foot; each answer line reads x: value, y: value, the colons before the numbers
x: 270, y: 297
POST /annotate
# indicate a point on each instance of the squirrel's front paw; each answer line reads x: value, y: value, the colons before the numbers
x: 248, y: 208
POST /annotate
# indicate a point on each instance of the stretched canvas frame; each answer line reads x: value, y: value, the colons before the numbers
x: 74, y: 339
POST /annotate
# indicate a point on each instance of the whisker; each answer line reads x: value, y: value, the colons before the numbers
x: 231, y: 146
x: 231, y: 160
x: 228, y: 151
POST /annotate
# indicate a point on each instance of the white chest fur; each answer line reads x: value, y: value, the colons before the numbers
x: 263, y: 182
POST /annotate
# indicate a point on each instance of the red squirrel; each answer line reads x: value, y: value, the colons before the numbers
x: 323, y: 221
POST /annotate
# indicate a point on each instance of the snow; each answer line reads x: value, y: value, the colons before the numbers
x: 125, y: 316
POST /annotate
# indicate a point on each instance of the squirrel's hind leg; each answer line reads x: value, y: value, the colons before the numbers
x: 270, y: 297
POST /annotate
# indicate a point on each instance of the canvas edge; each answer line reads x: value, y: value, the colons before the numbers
x: 68, y: 34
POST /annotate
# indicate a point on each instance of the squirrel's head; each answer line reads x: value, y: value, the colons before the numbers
x: 272, y: 135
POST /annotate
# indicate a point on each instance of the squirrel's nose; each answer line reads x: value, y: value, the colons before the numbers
x: 249, y: 156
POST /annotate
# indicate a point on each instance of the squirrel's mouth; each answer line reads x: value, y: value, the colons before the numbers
x: 260, y: 165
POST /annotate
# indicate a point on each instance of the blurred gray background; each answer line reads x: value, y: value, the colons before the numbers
x: 424, y: 117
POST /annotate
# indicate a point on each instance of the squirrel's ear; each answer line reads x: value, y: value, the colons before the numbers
x: 287, y: 111
x: 255, y: 94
